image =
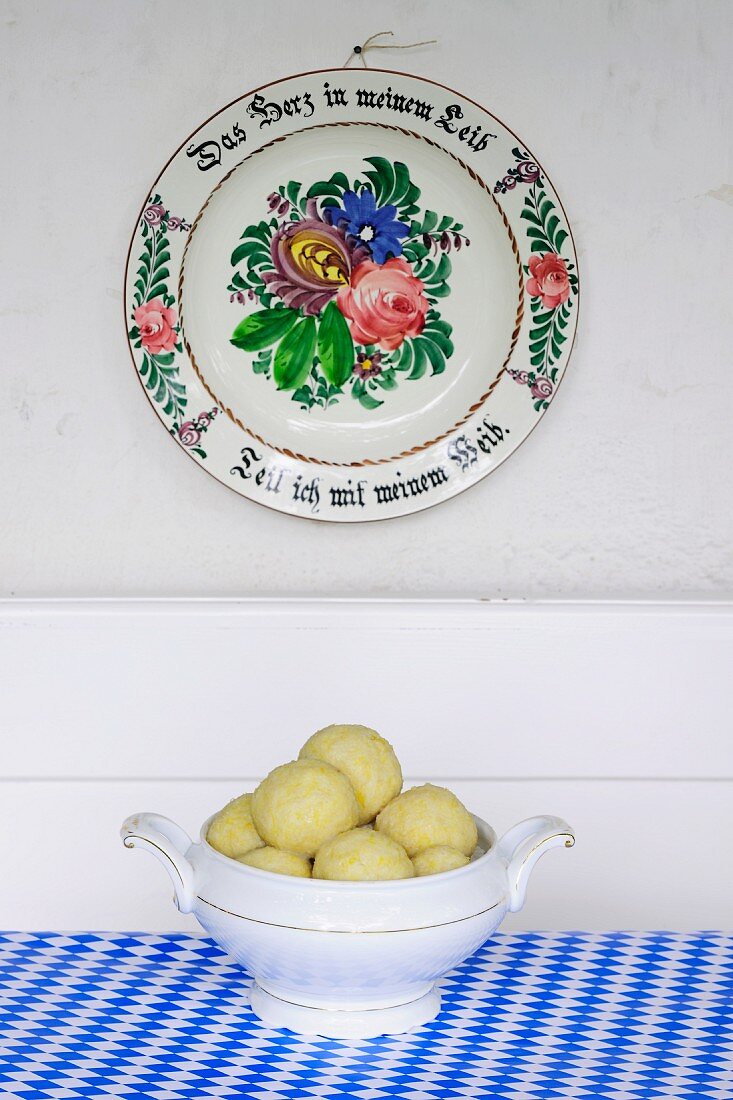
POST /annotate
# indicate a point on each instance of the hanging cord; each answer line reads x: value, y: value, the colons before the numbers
x: 359, y: 52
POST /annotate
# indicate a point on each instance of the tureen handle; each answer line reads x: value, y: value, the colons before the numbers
x: 523, y: 845
x: 169, y: 843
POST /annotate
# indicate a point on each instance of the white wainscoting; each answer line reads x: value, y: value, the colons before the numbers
x: 617, y: 717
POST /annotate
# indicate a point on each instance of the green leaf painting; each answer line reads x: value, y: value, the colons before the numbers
x: 294, y: 356
x: 335, y: 346
x: 263, y: 329
x: 154, y: 328
x: 551, y: 278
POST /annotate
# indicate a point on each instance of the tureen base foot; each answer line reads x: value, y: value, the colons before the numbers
x: 343, y: 1023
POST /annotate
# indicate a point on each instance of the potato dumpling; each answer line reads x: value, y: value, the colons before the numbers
x: 426, y: 816
x: 232, y: 831
x: 362, y: 855
x: 301, y: 805
x: 282, y: 863
x: 441, y: 857
x: 365, y: 758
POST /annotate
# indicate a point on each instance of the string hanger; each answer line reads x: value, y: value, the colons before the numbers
x: 359, y: 52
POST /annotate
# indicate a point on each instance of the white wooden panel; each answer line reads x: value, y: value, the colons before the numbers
x: 220, y: 688
x: 648, y: 854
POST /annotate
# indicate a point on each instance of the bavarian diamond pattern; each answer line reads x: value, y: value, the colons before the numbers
x: 620, y: 1016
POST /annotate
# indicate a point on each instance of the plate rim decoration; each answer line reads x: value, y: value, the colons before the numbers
x: 410, y: 478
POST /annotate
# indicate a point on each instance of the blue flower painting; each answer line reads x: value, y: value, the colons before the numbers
x: 376, y: 228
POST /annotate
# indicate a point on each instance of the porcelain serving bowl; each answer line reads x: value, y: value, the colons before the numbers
x: 347, y: 959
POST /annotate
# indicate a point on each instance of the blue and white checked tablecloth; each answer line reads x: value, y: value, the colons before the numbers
x: 564, y: 1015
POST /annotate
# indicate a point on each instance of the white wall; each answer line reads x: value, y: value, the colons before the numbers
x: 614, y: 717
x: 624, y: 491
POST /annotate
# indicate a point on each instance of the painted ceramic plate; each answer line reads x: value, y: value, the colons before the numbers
x: 351, y: 294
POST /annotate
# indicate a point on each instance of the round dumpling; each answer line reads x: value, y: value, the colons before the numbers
x: 282, y: 863
x: 441, y: 857
x: 362, y: 855
x: 426, y: 816
x: 301, y: 805
x: 365, y: 758
x: 232, y: 831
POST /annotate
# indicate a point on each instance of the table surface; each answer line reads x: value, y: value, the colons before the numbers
x: 563, y: 1015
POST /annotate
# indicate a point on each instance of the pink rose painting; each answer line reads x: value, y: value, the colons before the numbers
x: 383, y: 304
x: 541, y: 387
x: 188, y: 434
x: 156, y: 322
x: 548, y: 279
x: 154, y: 214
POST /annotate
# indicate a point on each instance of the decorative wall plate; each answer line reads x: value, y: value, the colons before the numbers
x: 351, y: 294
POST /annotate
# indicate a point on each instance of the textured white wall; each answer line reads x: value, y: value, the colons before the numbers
x: 625, y: 490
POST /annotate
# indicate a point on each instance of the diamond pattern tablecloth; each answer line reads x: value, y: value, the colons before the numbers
x: 614, y: 1016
